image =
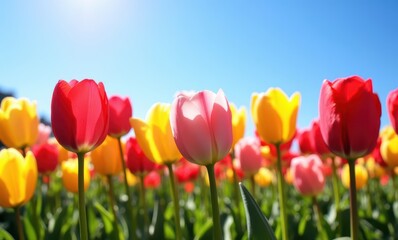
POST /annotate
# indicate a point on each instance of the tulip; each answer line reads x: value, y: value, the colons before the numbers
x: 18, y: 178
x: 389, y: 150
x: 343, y: 106
x: 238, y: 122
x: 202, y: 129
x: 308, y: 176
x: 156, y: 141
x: 152, y: 180
x: 80, y: 122
x: 247, y: 151
x: 70, y: 175
x: 120, y: 112
x: 318, y: 144
x: 264, y: 177
x: 275, y: 115
x: 392, y: 107
x: 80, y: 114
x: 186, y: 171
x: 44, y: 134
x: 155, y: 136
x: 106, y: 158
x: 46, y: 155
x: 304, y: 141
x: 361, y: 176
x: 136, y: 160
x: 19, y: 122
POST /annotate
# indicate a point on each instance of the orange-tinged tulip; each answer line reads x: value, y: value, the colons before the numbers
x: 63, y: 154
x: 132, y: 180
x: 106, y: 158
x: 19, y: 122
x: 238, y: 123
x: 70, y: 175
x: 275, y: 115
x: 389, y: 150
x: 18, y: 177
x: 374, y: 169
x: 264, y: 177
x: 155, y: 137
x: 361, y: 176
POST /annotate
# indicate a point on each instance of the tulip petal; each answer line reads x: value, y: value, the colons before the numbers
x: 143, y: 134
x: 11, y: 178
x: 62, y: 119
x: 221, y: 126
x: 270, y: 123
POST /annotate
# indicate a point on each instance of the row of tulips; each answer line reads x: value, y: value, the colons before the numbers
x: 206, y: 130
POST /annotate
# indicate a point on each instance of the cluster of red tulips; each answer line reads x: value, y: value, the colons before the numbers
x: 196, y: 142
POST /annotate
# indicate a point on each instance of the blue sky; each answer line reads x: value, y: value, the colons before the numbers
x: 149, y: 50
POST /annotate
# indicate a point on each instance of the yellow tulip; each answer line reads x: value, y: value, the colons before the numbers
x: 238, y: 123
x: 18, y: 177
x: 361, y: 176
x: 70, y: 176
x: 389, y: 150
x: 387, y: 132
x: 106, y: 157
x: 155, y: 137
x: 132, y: 180
x: 19, y: 122
x: 264, y: 177
x: 374, y: 169
x: 275, y: 115
x: 289, y: 176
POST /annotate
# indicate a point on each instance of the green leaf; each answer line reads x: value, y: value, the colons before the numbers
x: 156, y: 230
x: 206, y: 231
x: 257, y: 224
x: 111, y: 226
x: 60, y: 222
x: 4, y: 235
x: 29, y: 229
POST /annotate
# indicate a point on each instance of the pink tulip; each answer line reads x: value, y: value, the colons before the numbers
x: 120, y: 112
x: 308, y: 177
x: 44, y: 134
x: 247, y: 151
x: 202, y: 126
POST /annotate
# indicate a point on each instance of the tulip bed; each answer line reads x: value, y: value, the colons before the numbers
x: 190, y: 173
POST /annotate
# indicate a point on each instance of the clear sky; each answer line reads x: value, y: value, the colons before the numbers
x: 148, y: 50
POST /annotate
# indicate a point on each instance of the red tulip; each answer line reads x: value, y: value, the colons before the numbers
x: 318, y: 144
x: 392, y: 106
x: 186, y: 171
x: 304, y: 141
x: 152, y: 180
x: 349, y: 116
x: 136, y: 161
x: 46, y: 155
x: 202, y: 126
x: 120, y: 112
x: 247, y: 151
x: 79, y: 114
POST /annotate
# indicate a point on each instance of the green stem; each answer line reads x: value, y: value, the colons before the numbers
x: 176, y: 201
x: 214, y: 203
x: 253, y: 185
x: 369, y: 197
x: 143, y: 206
x: 336, y: 192
x: 112, y: 201
x: 19, y: 223
x: 281, y: 192
x: 318, y: 215
x: 238, y: 224
x: 129, y: 211
x: 353, y: 201
x: 82, y: 204
x: 395, y: 185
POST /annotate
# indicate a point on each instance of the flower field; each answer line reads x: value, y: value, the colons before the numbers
x: 188, y: 171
